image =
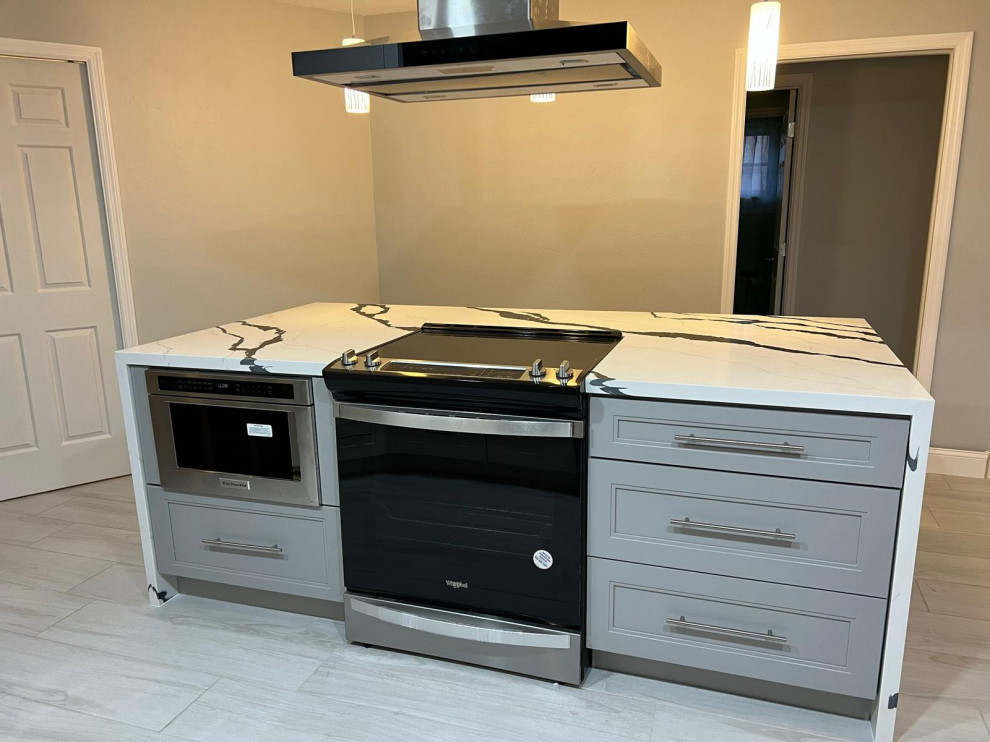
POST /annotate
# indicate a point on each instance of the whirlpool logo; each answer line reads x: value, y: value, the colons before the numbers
x: 456, y: 585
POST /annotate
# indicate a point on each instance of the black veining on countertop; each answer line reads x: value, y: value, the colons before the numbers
x: 535, y: 317
x: 250, y: 354
x: 913, y: 462
x: 779, y: 325
x: 378, y: 316
x: 601, y: 383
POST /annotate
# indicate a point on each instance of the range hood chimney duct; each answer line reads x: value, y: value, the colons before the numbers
x: 451, y: 18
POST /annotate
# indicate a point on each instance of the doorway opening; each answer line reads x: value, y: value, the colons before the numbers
x: 768, y: 155
x: 880, y: 266
x: 866, y: 177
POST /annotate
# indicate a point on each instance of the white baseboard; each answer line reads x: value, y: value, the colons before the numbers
x: 958, y: 463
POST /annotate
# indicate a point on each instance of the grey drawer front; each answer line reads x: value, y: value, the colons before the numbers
x: 843, y: 535
x: 269, y: 547
x: 805, y: 445
x: 832, y: 640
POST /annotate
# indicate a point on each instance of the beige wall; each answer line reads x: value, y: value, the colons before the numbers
x: 244, y: 189
x: 869, y: 177
x: 617, y: 200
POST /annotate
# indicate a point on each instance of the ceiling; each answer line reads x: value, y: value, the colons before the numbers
x: 361, y: 7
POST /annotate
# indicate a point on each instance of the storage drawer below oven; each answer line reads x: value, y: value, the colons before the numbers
x: 528, y: 649
x: 820, y: 640
x: 268, y: 547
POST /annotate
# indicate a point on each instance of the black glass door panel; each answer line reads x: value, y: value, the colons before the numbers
x: 234, y: 440
x: 454, y: 519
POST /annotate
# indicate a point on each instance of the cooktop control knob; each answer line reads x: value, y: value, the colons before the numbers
x: 348, y: 358
x: 371, y: 360
x: 564, y: 372
x: 537, y: 371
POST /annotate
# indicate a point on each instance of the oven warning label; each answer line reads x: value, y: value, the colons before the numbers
x: 256, y: 430
x: 543, y: 559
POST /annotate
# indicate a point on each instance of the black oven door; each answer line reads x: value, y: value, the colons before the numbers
x: 467, y: 510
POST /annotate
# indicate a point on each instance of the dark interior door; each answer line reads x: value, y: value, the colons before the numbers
x: 763, y: 205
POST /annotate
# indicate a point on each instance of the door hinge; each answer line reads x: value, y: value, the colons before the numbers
x: 892, y: 701
x: 783, y: 249
x: 790, y: 129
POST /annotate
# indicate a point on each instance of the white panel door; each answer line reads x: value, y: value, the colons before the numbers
x: 60, y: 419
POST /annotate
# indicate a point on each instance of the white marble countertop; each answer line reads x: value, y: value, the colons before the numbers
x: 833, y: 364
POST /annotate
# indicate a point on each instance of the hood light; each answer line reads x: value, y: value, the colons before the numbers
x: 543, y: 97
x: 761, y: 52
x: 355, y: 101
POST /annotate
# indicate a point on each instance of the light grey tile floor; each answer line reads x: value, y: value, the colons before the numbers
x: 84, y: 658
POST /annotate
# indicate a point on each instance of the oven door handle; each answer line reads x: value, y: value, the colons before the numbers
x: 456, y: 630
x: 480, y: 423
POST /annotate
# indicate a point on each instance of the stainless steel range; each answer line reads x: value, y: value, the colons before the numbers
x: 461, y: 460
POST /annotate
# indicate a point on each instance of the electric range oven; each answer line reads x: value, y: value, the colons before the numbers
x: 462, y: 466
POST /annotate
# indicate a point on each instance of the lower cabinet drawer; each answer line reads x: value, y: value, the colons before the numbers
x: 813, y: 534
x: 799, y: 636
x: 268, y: 547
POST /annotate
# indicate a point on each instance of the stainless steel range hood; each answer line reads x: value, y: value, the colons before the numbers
x: 487, y: 49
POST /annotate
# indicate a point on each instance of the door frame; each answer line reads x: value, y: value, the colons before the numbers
x: 92, y: 59
x: 803, y: 84
x: 959, y: 48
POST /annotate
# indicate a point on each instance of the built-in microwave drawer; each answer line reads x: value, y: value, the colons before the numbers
x: 813, y: 534
x: 263, y: 546
x: 857, y: 449
x: 807, y: 638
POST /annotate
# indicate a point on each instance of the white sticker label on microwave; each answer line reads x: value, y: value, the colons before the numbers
x: 257, y: 430
x: 543, y: 559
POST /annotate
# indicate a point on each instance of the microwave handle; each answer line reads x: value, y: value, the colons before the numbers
x: 448, y: 421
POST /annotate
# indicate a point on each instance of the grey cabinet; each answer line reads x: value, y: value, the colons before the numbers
x: 812, y: 534
x: 742, y: 540
x: 268, y: 547
x: 802, y: 637
x: 803, y: 445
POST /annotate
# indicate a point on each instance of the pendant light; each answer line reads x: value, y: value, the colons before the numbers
x: 543, y: 97
x: 761, y: 52
x: 355, y: 101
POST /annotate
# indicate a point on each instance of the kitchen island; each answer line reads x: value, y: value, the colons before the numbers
x: 819, y: 382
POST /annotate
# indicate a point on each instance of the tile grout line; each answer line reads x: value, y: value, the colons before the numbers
x: 102, y: 571
x: 97, y: 716
x: 924, y: 600
x: 658, y: 703
x: 64, y: 618
x: 187, y: 707
x: 986, y: 721
x: 87, y: 556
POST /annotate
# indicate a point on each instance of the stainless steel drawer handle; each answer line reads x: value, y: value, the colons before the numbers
x: 697, y: 440
x: 767, y: 637
x: 688, y: 523
x: 276, y: 549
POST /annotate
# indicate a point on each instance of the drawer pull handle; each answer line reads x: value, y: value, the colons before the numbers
x: 276, y: 549
x: 688, y: 523
x: 696, y: 440
x: 767, y: 637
